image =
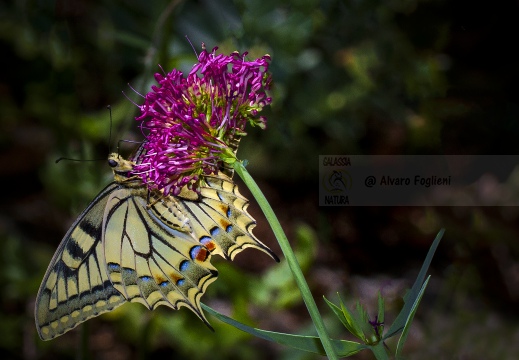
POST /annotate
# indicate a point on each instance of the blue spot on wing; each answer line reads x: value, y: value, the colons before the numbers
x: 113, y: 267
x: 184, y: 265
x: 194, y: 251
x: 164, y: 284
x: 215, y: 231
x: 229, y: 212
x: 128, y: 271
x: 228, y: 228
x: 180, y: 282
x: 145, y: 278
x: 205, y: 239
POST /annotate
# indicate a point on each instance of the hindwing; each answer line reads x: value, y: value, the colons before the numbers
x: 217, y: 216
x: 148, y: 264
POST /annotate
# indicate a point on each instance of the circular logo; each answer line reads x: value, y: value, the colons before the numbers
x: 337, y: 181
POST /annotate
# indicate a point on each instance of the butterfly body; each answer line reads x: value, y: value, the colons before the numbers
x: 133, y: 244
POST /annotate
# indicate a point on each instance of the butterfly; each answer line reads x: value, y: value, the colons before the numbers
x: 133, y: 244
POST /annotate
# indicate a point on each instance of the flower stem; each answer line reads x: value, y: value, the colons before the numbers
x: 290, y: 257
x: 379, y: 351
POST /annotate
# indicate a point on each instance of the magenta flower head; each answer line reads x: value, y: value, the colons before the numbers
x: 194, y: 122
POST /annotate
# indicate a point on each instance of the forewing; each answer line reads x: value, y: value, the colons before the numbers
x: 76, y: 287
x: 148, y: 264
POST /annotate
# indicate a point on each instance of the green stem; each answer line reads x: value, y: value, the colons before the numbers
x: 290, y: 257
x: 379, y: 351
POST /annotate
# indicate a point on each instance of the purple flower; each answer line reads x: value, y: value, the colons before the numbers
x: 191, y: 122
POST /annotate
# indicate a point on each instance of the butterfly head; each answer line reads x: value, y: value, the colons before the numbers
x: 122, y: 168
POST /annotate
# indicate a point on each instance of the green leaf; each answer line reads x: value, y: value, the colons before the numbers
x: 347, y: 319
x: 312, y: 344
x: 380, y: 316
x: 362, y: 321
x: 407, y: 326
x: 381, y: 309
x: 337, y: 312
x: 412, y: 295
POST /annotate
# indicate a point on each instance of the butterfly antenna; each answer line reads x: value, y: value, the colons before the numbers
x: 127, y: 141
x: 109, y: 107
x: 70, y: 159
x: 192, y: 47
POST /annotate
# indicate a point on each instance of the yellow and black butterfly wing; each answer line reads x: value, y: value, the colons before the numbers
x: 217, y: 216
x: 76, y: 285
x: 148, y: 264
x: 117, y: 252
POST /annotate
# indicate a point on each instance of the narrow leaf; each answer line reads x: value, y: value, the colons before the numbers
x: 381, y: 309
x: 347, y: 319
x: 407, y: 326
x: 362, y: 322
x: 412, y: 295
x: 354, y: 325
x: 312, y: 344
x: 338, y: 312
x: 379, y: 327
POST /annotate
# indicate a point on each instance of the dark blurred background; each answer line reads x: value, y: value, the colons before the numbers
x: 350, y: 77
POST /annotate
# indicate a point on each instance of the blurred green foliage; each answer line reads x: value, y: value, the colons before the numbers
x: 358, y: 77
